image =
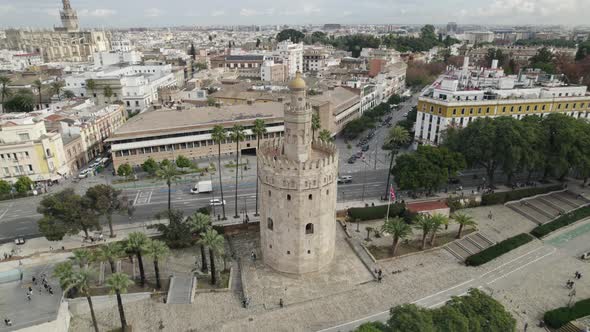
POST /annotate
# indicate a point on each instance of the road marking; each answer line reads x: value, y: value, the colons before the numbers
x: 3, y: 213
x: 523, y: 266
x: 136, y: 197
x: 354, y: 321
x: 511, y: 261
x: 446, y: 290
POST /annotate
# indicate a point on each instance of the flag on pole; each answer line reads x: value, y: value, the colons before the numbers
x: 392, y: 193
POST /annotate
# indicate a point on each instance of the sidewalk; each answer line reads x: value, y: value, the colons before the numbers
x: 41, y: 250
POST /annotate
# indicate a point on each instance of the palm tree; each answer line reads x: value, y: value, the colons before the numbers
x: 157, y: 250
x: 397, y: 137
x: 325, y: 135
x: 81, y: 281
x: 423, y: 223
x: 135, y: 244
x: 82, y: 257
x: 118, y: 283
x: 315, y: 124
x: 109, y: 253
x: 69, y: 94
x: 464, y: 220
x: 38, y: 85
x: 4, y: 91
x: 398, y: 228
x: 438, y: 220
x: 56, y: 88
x: 199, y: 224
x: 169, y: 173
x: 64, y: 272
x: 91, y: 85
x: 237, y: 135
x: 259, y: 130
x: 108, y: 92
x: 214, y: 242
x: 218, y: 136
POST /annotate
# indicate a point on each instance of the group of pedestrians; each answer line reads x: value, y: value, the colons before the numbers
x: 570, y: 283
x: 43, y: 286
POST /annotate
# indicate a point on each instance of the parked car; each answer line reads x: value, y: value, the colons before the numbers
x: 216, y: 202
x: 344, y: 179
x: 366, y: 148
x: 19, y: 241
x: 405, y: 115
x: 351, y: 160
x: 84, y: 173
x: 359, y: 155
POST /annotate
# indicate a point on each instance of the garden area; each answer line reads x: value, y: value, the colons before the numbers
x: 404, y: 232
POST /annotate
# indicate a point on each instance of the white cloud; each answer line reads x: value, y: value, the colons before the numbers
x: 153, y: 12
x: 101, y: 12
x: 254, y: 12
x: 531, y: 7
x: 218, y: 13
x: 6, y: 9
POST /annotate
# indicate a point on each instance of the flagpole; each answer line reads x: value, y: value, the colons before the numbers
x: 388, y: 204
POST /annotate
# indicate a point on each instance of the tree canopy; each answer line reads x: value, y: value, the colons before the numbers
x: 474, y: 312
x: 66, y: 213
x: 295, y: 36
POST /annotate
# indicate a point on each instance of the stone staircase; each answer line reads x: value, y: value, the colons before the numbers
x: 182, y: 290
x: 468, y: 245
x: 545, y: 208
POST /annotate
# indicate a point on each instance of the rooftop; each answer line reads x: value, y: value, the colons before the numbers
x: 171, y: 120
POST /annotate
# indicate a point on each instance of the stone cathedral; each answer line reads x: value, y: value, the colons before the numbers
x: 297, y: 177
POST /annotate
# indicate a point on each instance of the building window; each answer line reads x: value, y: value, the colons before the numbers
x: 454, y: 112
x: 309, y: 228
x: 269, y: 224
x: 309, y: 251
x: 310, y: 196
x: 288, y: 197
x: 327, y: 192
x: 288, y: 252
x: 504, y: 109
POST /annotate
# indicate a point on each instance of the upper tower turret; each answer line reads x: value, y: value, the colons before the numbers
x: 298, y: 113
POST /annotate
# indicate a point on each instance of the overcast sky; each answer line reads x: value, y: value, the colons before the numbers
x: 126, y: 13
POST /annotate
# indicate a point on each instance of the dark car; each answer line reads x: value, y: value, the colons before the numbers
x: 351, y: 160
x: 366, y: 148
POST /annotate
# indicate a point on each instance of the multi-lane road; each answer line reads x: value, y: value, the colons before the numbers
x: 19, y: 217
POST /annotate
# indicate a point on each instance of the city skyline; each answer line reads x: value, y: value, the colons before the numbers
x: 153, y: 13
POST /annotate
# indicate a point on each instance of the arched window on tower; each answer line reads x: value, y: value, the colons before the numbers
x: 309, y: 228
x: 270, y: 224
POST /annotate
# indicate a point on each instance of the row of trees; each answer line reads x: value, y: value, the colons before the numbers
x: 22, y: 185
x: 78, y: 276
x: 355, y: 43
x: 23, y: 100
x: 475, y: 311
x: 554, y: 145
x: 67, y: 213
x: 428, y: 225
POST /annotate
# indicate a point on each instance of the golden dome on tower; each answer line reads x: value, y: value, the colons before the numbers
x: 297, y: 83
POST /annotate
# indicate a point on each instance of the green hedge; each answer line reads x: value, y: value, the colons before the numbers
x: 377, y: 212
x: 498, y: 249
x: 507, y: 196
x: 562, y: 221
x: 557, y: 318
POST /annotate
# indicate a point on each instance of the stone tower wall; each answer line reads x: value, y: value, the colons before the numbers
x: 293, y: 195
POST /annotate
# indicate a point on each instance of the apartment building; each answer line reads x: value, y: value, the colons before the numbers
x: 28, y: 149
x: 464, y: 94
x: 291, y: 55
x: 136, y: 86
x: 314, y: 59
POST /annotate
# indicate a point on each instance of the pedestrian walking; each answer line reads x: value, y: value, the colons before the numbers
x: 281, y: 303
x: 379, y: 278
x: 34, y: 280
x: 526, y: 326
x: 579, y: 276
x: 8, y: 322
x: 28, y: 297
x: 50, y: 291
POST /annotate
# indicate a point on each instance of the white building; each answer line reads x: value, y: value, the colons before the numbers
x: 105, y: 59
x: 18, y: 60
x: 136, y: 86
x: 291, y: 55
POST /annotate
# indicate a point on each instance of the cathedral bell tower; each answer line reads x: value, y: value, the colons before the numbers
x: 69, y: 17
